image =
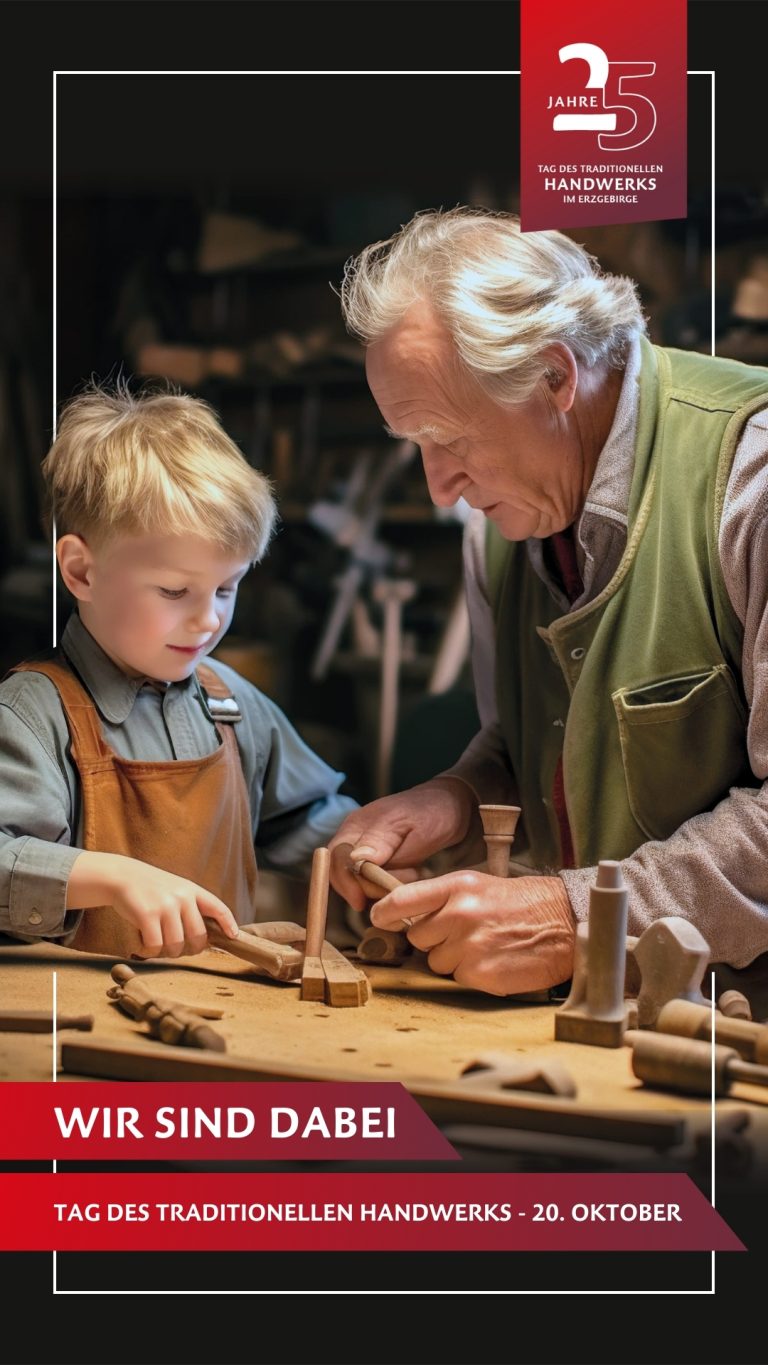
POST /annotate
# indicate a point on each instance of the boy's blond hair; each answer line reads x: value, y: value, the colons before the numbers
x: 125, y: 463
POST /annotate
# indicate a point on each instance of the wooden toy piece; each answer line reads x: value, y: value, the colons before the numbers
x: 345, y: 984
x: 595, y: 1012
x: 41, y: 1021
x: 141, y: 990
x: 375, y: 880
x: 540, y: 1074
x: 383, y: 946
x: 443, y: 1101
x: 672, y: 957
x: 167, y: 1020
x: 312, y: 973
x: 734, y: 1005
x: 685, y: 1064
x: 689, y: 1020
x: 499, y: 825
x: 282, y: 962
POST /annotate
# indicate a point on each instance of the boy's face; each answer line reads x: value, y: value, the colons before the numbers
x: 156, y: 604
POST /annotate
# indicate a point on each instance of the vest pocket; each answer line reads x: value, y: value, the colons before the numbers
x: 683, y: 744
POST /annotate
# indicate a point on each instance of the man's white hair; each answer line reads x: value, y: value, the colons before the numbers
x: 504, y: 295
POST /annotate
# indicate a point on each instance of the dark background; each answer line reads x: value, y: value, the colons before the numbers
x: 339, y: 160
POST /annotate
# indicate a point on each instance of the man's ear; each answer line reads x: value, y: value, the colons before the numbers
x: 76, y: 565
x: 561, y: 375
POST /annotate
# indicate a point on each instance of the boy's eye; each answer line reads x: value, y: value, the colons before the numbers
x: 225, y: 592
x: 172, y: 592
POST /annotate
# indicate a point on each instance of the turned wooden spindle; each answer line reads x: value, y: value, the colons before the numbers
x: 499, y: 825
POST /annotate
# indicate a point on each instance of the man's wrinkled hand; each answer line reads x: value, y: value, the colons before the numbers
x: 501, y: 935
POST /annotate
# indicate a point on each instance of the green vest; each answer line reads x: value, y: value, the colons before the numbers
x: 640, y: 690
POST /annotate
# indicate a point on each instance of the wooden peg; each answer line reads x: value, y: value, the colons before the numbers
x: 41, y: 1021
x: 499, y: 825
x: 312, y: 973
x: 689, y: 1020
x: 686, y: 1064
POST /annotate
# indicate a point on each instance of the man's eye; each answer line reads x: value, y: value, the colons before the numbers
x: 226, y: 592
x: 172, y: 592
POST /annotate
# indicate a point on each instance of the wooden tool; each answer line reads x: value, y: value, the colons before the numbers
x: 169, y: 1021
x: 541, y: 1074
x: 312, y: 974
x: 443, y: 1101
x: 595, y: 1011
x: 685, y: 1064
x: 499, y: 825
x: 672, y: 957
x: 393, y: 593
x: 283, y: 963
x: 41, y: 1021
x: 686, y: 1019
x: 379, y: 945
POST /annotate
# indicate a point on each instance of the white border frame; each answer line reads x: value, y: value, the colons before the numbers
x: 367, y: 1291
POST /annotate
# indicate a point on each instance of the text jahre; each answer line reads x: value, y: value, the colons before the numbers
x: 573, y: 102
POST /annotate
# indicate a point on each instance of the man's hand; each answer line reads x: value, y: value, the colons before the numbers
x: 166, y: 910
x: 400, y: 831
x: 496, y: 934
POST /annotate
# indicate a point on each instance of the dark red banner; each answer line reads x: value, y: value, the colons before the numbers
x: 358, y: 1212
x: 603, y: 102
x: 216, y: 1120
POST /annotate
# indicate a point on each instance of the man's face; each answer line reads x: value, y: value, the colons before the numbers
x: 158, y: 604
x: 521, y: 465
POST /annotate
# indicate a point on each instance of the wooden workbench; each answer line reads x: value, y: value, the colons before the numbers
x: 415, y: 1025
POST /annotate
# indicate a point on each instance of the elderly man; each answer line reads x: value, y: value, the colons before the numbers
x: 616, y: 567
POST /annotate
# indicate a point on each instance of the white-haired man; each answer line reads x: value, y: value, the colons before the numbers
x: 617, y: 576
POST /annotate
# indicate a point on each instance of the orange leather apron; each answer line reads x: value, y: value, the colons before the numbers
x: 188, y: 816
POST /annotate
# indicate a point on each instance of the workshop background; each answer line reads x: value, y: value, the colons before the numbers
x: 203, y: 223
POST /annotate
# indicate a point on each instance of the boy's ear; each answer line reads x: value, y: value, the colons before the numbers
x: 76, y: 565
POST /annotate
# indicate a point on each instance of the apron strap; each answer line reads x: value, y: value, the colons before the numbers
x: 88, y: 744
x: 222, y: 705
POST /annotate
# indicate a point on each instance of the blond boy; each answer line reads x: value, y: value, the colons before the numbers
x: 136, y: 780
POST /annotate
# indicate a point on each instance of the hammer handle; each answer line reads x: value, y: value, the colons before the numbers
x: 377, y: 875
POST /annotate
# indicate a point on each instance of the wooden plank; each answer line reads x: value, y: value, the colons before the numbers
x: 444, y: 1102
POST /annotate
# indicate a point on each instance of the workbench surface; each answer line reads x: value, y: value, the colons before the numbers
x: 415, y: 1025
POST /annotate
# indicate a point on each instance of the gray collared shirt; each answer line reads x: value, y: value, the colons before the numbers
x: 294, y: 795
x: 712, y: 869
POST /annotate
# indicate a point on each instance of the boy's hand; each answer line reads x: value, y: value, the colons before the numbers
x: 166, y: 910
x: 400, y: 831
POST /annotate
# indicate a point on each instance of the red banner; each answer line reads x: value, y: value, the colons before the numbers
x: 358, y: 1212
x: 216, y: 1120
x: 603, y: 100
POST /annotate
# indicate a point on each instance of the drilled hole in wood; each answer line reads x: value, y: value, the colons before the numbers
x: 349, y: 1049
x: 383, y: 1064
x: 404, y: 1028
x: 322, y: 1016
